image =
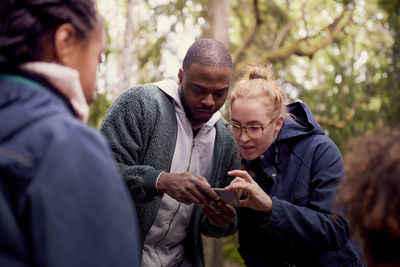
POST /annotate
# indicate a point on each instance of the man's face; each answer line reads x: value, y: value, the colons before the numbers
x: 203, y: 91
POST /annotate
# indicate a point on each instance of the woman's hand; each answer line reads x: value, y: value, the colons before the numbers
x: 256, y: 199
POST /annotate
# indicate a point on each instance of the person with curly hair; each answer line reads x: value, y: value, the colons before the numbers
x: 62, y: 200
x: 292, y: 171
x: 370, y: 195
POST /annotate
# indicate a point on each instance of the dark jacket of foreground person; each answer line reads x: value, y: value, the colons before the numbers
x: 62, y: 201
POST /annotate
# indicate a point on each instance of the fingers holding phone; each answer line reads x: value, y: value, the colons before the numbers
x: 187, y: 188
x: 219, y: 214
x: 256, y: 198
x: 240, y: 174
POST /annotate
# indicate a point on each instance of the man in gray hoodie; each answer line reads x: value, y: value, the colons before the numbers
x: 171, y: 147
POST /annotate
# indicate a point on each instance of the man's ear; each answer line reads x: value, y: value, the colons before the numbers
x: 65, y: 41
x: 180, y: 76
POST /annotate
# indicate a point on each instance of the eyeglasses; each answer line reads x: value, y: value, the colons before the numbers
x: 252, y: 131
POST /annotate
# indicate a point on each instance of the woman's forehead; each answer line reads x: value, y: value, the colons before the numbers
x: 249, y: 110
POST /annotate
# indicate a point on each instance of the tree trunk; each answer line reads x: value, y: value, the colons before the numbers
x: 218, y: 18
x: 218, y: 15
x: 213, y: 254
x: 126, y: 57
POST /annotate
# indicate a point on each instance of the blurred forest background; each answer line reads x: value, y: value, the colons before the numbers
x: 341, y: 57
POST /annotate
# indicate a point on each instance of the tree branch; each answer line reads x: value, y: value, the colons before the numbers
x: 240, y: 52
x: 301, y: 48
x: 284, y: 31
x: 281, y: 35
x: 371, y: 90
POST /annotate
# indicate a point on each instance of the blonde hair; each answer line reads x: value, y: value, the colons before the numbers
x: 258, y: 83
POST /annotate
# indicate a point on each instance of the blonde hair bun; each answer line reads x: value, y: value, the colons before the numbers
x: 258, y: 82
x: 260, y: 72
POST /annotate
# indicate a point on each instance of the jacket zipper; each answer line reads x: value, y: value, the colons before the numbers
x: 175, y: 213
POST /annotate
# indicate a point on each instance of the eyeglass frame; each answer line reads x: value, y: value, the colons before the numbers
x: 245, y: 128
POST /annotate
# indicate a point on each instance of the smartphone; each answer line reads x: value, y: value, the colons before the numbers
x: 229, y: 197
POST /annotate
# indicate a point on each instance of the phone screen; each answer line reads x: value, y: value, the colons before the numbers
x: 229, y: 197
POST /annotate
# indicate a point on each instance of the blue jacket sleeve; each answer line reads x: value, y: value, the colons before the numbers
x: 78, y: 207
x: 313, y: 224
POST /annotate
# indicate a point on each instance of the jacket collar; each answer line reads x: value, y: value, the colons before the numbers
x: 66, y: 81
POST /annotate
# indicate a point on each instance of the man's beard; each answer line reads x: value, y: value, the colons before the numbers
x: 188, y: 111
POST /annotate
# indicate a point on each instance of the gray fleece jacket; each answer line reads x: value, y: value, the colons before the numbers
x: 141, y: 128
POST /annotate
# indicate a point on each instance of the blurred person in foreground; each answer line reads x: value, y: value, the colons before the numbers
x: 62, y: 201
x: 370, y: 195
x: 171, y: 146
x: 290, y: 172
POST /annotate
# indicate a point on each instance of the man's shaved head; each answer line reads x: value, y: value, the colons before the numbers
x: 207, y: 52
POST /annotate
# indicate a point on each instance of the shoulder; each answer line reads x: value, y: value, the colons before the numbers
x: 317, y: 150
x: 40, y: 121
x: 320, y: 142
x: 222, y: 133
x: 59, y: 143
x: 224, y: 138
x: 139, y: 99
x: 310, y: 142
x: 145, y: 93
x: 140, y: 111
x: 66, y: 134
x: 71, y: 148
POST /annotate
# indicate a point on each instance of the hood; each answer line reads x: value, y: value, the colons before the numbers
x: 170, y: 87
x: 303, y: 123
x: 23, y: 101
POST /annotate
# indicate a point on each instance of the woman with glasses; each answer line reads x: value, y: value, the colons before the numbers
x: 290, y: 172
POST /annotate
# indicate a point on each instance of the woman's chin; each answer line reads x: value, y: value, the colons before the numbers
x: 248, y: 156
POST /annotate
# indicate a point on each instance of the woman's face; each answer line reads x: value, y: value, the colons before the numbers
x: 86, y: 60
x: 253, y: 112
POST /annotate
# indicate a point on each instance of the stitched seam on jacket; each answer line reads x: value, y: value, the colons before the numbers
x: 14, y: 156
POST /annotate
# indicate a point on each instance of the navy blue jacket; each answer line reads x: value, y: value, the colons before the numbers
x: 62, y: 201
x: 300, y: 172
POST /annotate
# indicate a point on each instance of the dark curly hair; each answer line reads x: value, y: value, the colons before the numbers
x: 370, y: 194
x: 24, y: 23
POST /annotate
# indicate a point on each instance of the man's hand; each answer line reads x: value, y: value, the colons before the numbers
x: 219, y: 214
x: 187, y: 188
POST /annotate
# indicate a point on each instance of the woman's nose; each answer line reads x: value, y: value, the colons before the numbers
x: 243, y: 135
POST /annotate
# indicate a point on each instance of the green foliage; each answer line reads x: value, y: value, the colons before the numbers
x: 230, y: 246
x: 344, y: 84
x: 391, y: 6
x: 98, y: 109
x: 391, y: 95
